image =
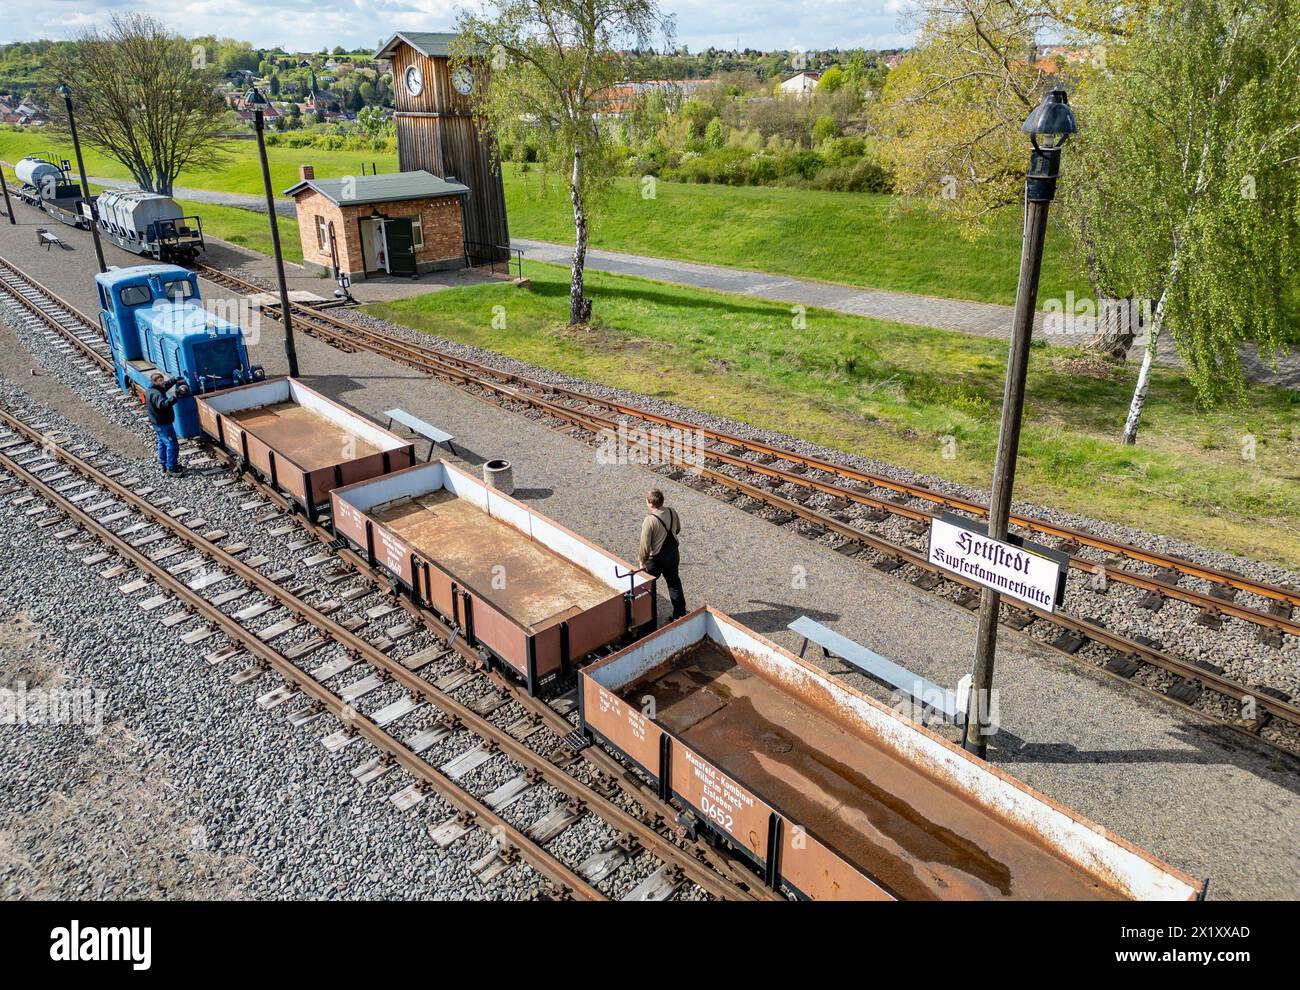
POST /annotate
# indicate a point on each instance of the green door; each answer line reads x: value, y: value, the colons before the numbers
x: 401, y: 247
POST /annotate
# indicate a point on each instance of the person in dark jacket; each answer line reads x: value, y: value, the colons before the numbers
x: 659, y: 551
x: 159, y: 404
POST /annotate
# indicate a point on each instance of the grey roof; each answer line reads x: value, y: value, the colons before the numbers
x: 430, y: 44
x: 386, y: 188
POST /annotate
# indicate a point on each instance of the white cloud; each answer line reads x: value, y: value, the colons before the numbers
x: 309, y: 25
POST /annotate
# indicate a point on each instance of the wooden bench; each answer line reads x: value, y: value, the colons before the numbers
x: 925, y: 693
x: 43, y: 236
x: 434, y: 435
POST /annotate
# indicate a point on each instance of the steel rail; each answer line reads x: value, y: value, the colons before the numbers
x: 384, y: 343
x: 610, y: 766
x: 409, y: 680
x: 387, y: 345
x: 599, y: 759
x: 1284, y: 711
x: 434, y: 363
x: 566, y: 880
x: 912, y: 490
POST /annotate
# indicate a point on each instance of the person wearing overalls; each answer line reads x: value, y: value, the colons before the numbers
x: 660, y: 556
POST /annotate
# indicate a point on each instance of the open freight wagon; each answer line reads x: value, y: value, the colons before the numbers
x: 831, y: 794
x: 299, y: 440
x: 527, y: 592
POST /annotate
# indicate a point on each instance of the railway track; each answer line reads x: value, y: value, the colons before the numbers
x: 714, y: 872
x: 811, y: 494
x: 437, y: 729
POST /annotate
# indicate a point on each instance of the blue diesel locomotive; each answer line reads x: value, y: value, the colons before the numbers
x: 155, y: 322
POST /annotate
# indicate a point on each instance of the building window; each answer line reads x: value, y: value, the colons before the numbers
x: 322, y: 233
x: 417, y: 233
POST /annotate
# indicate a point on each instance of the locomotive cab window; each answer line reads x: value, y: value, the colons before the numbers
x: 178, y: 289
x: 134, y: 295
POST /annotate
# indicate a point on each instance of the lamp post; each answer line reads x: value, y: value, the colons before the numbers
x: 9, y: 206
x: 66, y: 93
x: 254, y: 98
x: 1049, y: 126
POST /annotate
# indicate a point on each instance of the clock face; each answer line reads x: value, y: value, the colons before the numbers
x: 463, y: 80
x: 414, y: 80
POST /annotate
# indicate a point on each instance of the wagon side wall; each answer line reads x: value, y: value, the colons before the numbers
x: 1085, y: 844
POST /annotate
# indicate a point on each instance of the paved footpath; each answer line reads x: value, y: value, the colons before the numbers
x: 1206, y: 800
x: 960, y: 315
x: 979, y: 319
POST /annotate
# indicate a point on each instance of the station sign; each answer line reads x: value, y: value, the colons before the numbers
x: 1016, y: 568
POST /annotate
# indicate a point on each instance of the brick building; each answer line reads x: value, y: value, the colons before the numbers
x: 400, y: 223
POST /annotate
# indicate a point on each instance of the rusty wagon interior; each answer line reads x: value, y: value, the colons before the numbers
x: 910, y: 833
x: 915, y: 814
x: 314, y: 440
x: 526, y: 579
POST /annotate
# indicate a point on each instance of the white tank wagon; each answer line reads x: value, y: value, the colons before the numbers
x: 149, y: 223
x: 50, y: 187
x: 36, y: 172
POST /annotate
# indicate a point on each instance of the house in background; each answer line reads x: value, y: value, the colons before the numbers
x: 399, y: 223
x: 800, y: 84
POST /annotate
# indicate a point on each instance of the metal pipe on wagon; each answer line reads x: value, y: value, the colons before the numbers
x: 1049, y: 126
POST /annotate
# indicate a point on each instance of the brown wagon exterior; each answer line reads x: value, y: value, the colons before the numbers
x: 288, y: 456
x: 618, y: 696
x: 537, y: 648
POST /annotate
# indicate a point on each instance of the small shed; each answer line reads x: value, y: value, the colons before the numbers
x: 399, y: 223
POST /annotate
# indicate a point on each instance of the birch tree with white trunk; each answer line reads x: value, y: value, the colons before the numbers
x: 1187, y: 177
x: 552, y: 68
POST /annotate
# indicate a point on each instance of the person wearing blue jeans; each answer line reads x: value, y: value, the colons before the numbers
x: 159, y: 404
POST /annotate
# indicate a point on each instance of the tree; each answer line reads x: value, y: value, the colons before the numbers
x: 275, y: 85
x: 824, y: 128
x: 831, y: 80
x: 1187, y: 188
x: 553, y: 63
x: 951, y: 111
x: 144, y: 98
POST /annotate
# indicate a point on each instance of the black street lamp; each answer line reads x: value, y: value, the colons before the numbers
x: 1049, y: 126
x: 66, y: 93
x: 254, y: 99
x: 9, y: 206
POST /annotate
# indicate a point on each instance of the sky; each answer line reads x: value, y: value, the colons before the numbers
x: 309, y: 25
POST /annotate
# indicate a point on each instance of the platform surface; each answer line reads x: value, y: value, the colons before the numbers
x: 527, y: 581
x: 302, y: 435
x: 918, y: 838
x: 1196, y: 796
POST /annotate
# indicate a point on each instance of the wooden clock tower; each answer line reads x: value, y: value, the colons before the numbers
x: 438, y: 132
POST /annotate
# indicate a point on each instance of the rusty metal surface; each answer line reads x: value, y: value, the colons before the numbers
x: 305, y: 437
x: 906, y: 830
x: 520, y: 576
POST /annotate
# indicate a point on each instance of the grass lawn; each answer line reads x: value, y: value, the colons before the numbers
x: 246, y: 228
x: 241, y: 174
x: 857, y: 238
x: 893, y: 392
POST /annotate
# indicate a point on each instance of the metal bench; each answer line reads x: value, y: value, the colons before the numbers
x: 950, y: 704
x: 43, y: 236
x: 434, y: 435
